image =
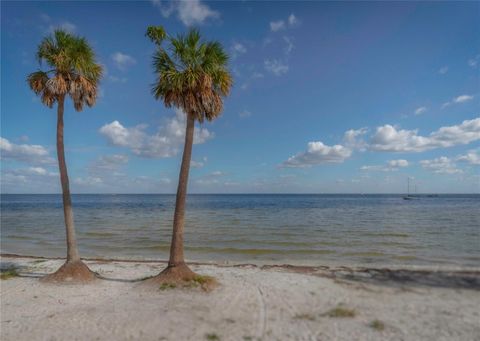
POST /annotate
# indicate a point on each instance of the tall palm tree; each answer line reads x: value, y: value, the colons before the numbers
x: 73, y: 72
x: 192, y: 75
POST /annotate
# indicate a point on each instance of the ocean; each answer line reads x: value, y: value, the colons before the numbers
x: 361, y: 230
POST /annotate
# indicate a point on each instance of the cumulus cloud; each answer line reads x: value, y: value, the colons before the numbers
x: 28, y: 153
x: 122, y: 61
x: 472, y: 157
x: 28, y: 180
x: 276, y: 67
x: 353, y: 139
x: 420, y: 110
x: 391, y: 166
x: 441, y: 165
x: 191, y: 12
x: 165, y: 143
x: 387, y: 138
x: 318, y: 153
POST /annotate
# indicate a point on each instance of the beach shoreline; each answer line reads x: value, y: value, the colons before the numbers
x: 253, y: 302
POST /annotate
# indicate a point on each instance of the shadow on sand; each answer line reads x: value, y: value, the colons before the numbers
x: 394, y: 277
x: 458, y: 279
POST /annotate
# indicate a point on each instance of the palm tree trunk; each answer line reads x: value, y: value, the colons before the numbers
x: 72, y: 250
x: 176, y: 248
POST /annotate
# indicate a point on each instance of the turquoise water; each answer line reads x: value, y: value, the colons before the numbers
x: 297, y: 229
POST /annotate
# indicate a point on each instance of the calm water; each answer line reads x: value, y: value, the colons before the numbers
x: 299, y: 229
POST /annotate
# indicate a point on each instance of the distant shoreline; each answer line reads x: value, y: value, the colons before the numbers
x: 192, y: 194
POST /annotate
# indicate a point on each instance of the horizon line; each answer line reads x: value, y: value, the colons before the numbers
x: 263, y: 193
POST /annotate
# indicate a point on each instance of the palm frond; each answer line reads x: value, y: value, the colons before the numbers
x: 192, y: 75
x: 37, y: 81
x: 76, y: 71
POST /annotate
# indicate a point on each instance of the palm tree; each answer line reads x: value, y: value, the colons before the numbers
x: 73, y: 72
x: 191, y: 75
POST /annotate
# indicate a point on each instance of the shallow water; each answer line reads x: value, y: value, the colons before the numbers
x: 297, y: 229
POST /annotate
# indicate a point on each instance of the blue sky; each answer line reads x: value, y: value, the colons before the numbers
x: 329, y: 97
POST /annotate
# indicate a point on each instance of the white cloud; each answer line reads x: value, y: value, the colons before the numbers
x: 194, y: 12
x: 24, y: 138
x: 443, y: 70
x: 122, y: 60
x: 352, y: 139
x: 116, y: 79
x: 257, y: 75
x: 288, y: 45
x: 88, y: 181
x: 420, y: 110
x: 473, y: 62
x: 292, y: 20
x: 245, y: 113
x: 165, y: 143
x: 277, y: 25
x: 29, y: 153
x: 459, y: 99
x: 387, y: 138
x: 37, y: 170
x: 318, y: 153
x: 441, y: 165
x: 63, y: 25
x: 211, y: 178
x: 239, y: 48
x: 462, y: 99
x: 108, y: 163
x: 392, y: 166
x: 198, y: 164
x: 49, y: 25
x: 276, y: 67
x: 191, y: 12
x: 472, y: 157
x: 398, y: 163
x: 31, y: 179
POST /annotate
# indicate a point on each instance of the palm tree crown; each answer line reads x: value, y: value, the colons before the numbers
x: 74, y: 71
x: 192, y: 75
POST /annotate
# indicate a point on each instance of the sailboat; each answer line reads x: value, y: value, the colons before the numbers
x: 409, y: 196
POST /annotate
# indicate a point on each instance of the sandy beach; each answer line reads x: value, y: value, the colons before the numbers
x: 251, y: 303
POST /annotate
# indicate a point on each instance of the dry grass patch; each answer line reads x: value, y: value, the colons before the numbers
x: 166, y: 286
x: 377, y: 325
x: 308, y: 317
x: 8, y: 273
x: 206, y: 283
x: 340, y: 312
x: 212, y: 337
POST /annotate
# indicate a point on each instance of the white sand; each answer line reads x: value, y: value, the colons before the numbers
x: 251, y: 303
